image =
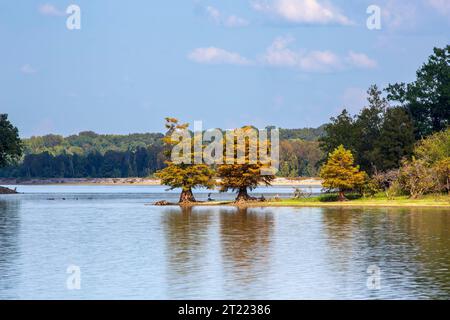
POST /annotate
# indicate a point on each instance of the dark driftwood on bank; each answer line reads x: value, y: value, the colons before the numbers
x: 4, y: 190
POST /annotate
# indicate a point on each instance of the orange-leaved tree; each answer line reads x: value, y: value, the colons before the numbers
x: 184, y: 173
x: 244, y: 167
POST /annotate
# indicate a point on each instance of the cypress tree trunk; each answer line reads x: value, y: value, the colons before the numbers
x: 342, y: 196
x: 187, y: 196
x: 243, y: 195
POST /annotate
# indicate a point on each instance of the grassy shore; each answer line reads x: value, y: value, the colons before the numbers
x: 438, y: 201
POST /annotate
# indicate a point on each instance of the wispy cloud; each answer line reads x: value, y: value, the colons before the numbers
x: 231, y: 21
x: 213, y: 55
x: 361, y: 60
x: 48, y: 9
x: 280, y: 54
x: 399, y: 14
x: 443, y: 6
x: 302, y: 11
x: 27, y: 69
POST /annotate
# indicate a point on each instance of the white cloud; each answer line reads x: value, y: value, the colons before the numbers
x: 361, y: 60
x: 443, y: 6
x: 279, y: 54
x: 213, y: 55
x: 214, y: 14
x: 27, y: 69
x: 48, y: 9
x: 399, y: 14
x: 302, y: 11
x: 231, y: 21
x: 235, y: 21
x: 408, y: 14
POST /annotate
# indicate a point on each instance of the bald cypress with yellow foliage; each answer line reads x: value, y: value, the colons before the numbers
x: 340, y: 173
x: 242, y: 171
x: 184, y: 175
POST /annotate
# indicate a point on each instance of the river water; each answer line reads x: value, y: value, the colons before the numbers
x: 122, y: 247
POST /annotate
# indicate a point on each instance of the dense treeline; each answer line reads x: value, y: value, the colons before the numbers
x: 91, y: 155
x: 90, y: 142
x: 113, y: 164
x: 307, y: 134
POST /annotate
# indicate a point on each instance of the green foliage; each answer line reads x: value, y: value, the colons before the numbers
x: 299, y: 158
x: 368, y: 129
x: 442, y: 170
x: 340, y: 172
x: 428, y: 98
x: 416, y: 178
x: 428, y: 172
x: 434, y: 148
x: 10, y: 143
x: 370, y: 188
x: 396, y: 140
x: 333, y: 197
x: 379, y: 137
x: 113, y: 164
x: 340, y: 131
x: 307, y: 134
x: 89, y: 142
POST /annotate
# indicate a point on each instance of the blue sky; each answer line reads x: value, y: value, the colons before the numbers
x: 289, y: 63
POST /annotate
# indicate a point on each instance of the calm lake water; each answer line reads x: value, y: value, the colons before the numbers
x: 128, y: 249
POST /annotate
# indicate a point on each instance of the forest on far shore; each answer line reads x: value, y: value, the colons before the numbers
x: 92, y: 155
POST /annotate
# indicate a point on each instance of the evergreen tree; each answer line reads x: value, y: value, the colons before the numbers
x: 368, y: 129
x: 428, y: 98
x: 340, y: 131
x: 396, y: 139
x: 10, y: 143
x: 340, y: 172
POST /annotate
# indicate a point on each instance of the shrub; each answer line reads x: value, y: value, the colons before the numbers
x: 442, y: 171
x: 416, y: 178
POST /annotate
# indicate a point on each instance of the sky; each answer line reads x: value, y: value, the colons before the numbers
x: 288, y: 63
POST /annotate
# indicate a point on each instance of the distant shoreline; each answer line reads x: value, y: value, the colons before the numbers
x: 288, y: 182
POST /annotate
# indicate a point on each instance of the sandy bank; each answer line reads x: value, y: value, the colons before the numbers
x: 301, y: 182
